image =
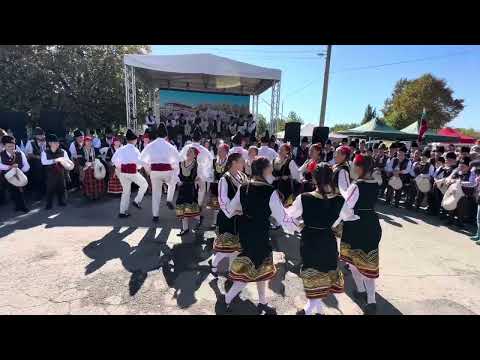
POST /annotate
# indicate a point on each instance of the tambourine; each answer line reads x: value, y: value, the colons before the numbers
x: 423, y: 183
x: 395, y: 182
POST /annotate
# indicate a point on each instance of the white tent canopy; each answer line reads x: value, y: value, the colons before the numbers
x: 202, y: 72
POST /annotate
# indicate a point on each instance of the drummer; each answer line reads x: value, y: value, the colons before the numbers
x: 422, y: 168
x: 380, y: 162
x: 401, y: 167
x: 466, y: 203
x: 51, y: 159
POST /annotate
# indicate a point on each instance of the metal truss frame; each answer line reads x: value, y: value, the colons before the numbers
x: 274, y: 107
x: 130, y: 96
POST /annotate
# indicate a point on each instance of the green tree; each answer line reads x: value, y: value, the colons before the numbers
x: 84, y: 81
x: 370, y: 114
x: 470, y: 132
x: 281, y: 124
x: 293, y: 117
x: 411, y: 96
x: 262, y: 125
x: 343, y: 126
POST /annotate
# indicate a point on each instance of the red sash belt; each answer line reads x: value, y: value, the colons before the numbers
x: 161, y: 167
x: 129, y: 168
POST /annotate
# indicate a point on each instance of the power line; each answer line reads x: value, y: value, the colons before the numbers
x: 401, y: 62
x: 378, y: 66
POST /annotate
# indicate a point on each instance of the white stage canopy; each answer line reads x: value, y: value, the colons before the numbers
x: 200, y: 72
x: 203, y: 72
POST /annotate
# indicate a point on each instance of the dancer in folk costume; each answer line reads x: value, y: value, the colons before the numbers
x: 285, y: 172
x: 362, y: 233
x: 265, y: 150
x: 306, y: 170
x: 114, y: 185
x: 204, y: 162
x: 93, y: 188
x: 227, y: 243
x: 10, y: 158
x: 318, y: 247
x: 237, y: 146
x: 256, y: 201
x: 252, y: 155
x: 218, y: 170
x: 75, y: 150
x: 161, y: 159
x: 187, y: 200
x: 146, y: 139
x: 341, y: 174
x: 127, y: 162
x: 55, y: 172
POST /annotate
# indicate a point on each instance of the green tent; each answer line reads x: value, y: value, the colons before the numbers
x: 430, y: 135
x: 378, y: 130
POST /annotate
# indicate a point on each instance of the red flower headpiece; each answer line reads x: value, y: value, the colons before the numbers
x: 312, y: 166
x: 359, y: 159
x: 345, y: 150
x: 225, y: 147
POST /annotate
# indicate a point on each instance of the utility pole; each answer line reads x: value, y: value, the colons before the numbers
x: 325, y: 86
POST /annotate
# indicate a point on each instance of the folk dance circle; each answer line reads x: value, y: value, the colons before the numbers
x: 323, y: 195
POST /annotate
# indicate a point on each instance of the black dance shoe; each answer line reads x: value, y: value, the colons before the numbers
x: 155, y: 219
x: 300, y: 312
x: 136, y: 205
x: 170, y: 205
x: 183, y: 232
x: 213, y: 227
x: 123, y: 216
x: 370, y: 309
x: 360, y: 295
x: 264, y: 309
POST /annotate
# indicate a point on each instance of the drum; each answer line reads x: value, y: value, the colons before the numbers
x: 16, y: 177
x: 99, y: 171
x: 377, y: 175
x: 452, y: 196
x: 423, y: 183
x: 468, y: 189
x: 395, y: 182
x: 442, y: 185
x: 67, y: 164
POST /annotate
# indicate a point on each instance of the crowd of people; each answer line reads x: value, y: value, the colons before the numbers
x: 326, y: 192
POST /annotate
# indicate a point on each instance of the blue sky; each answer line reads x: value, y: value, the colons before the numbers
x: 356, y: 77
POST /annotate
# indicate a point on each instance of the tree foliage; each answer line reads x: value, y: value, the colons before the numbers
x: 409, y: 97
x: 344, y: 126
x: 84, y: 81
x: 370, y: 114
x: 262, y: 125
x: 293, y: 117
x: 470, y: 132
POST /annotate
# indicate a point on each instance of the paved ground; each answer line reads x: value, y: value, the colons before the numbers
x: 84, y: 260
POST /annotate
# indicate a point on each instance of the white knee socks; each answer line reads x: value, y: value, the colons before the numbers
x: 312, y: 305
x: 370, y: 285
x: 184, y: 224
x: 236, y: 288
x: 215, y: 214
x: 261, y: 287
x: 358, y: 278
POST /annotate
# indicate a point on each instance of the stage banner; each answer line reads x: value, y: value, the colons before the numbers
x: 208, y: 104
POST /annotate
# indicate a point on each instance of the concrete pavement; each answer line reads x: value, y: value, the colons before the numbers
x: 82, y: 259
